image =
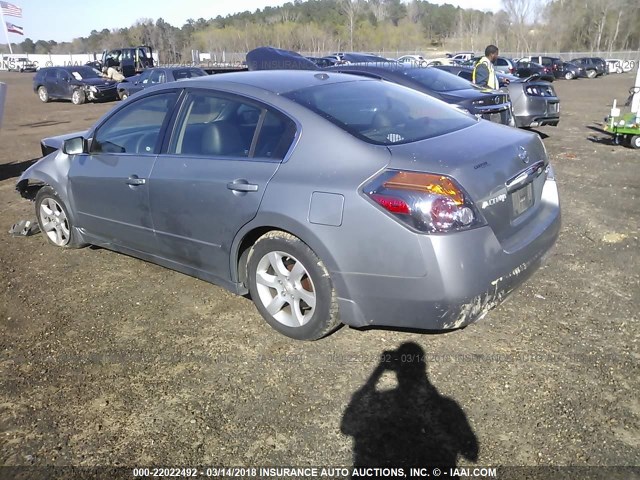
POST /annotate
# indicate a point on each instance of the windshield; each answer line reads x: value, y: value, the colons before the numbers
x: 380, y: 112
x: 437, y: 80
x: 81, y: 73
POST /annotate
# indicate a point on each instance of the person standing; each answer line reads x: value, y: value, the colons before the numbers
x: 484, y: 74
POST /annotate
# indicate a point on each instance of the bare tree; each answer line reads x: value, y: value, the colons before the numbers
x: 351, y: 8
x: 520, y: 14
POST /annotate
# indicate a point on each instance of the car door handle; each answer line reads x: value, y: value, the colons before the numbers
x: 134, y: 180
x: 242, y: 186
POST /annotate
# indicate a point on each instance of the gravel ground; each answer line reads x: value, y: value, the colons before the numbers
x: 108, y: 360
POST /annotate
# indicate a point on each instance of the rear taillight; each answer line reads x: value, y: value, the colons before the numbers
x: 424, y: 201
x: 512, y: 70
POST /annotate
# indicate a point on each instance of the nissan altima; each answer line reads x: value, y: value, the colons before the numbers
x: 328, y: 198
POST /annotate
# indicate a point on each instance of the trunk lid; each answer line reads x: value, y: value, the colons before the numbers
x: 502, y: 169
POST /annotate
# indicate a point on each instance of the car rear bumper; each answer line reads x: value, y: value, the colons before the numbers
x: 469, y: 273
x: 537, y: 112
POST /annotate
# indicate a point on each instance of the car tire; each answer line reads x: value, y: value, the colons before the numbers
x: 634, y: 142
x: 43, y: 94
x: 592, y: 74
x: 54, y: 221
x: 291, y: 287
x: 78, y: 97
x: 569, y: 76
x: 124, y: 95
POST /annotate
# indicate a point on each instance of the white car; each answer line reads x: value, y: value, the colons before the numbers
x: 441, y: 61
x: 413, y: 60
x: 615, y: 65
x: 463, y: 56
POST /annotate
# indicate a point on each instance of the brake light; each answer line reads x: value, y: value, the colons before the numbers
x: 512, y: 70
x: 424, y: 201
x: 392, y: 204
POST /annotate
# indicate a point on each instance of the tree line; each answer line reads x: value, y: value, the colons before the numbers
x: 321, y: 26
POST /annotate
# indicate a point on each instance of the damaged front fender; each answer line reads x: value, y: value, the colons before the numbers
x: 51, y: 170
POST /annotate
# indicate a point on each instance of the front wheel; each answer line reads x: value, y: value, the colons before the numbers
x: 634, y: 142
x: 53, y: 219
x: 291, y: 287
x: 43, y: 94
x: 591, y: 74
x: 78, y: 97
x: 568, y: 75
x: 124, y: 95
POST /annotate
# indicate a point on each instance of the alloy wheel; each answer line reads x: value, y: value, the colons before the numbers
x: 54, y: 222
x: 285, y: 288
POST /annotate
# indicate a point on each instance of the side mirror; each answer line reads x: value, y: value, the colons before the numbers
x: 74, y: 146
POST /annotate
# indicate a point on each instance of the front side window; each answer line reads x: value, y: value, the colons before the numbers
x: 382, y: 113
x: 135, y: 129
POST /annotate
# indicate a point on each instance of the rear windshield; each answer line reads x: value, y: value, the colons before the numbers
x: 437, y: 80
x: 188, y: 73
x: 380, y: 112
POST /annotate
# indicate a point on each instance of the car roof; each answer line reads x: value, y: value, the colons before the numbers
x: 275, y: 81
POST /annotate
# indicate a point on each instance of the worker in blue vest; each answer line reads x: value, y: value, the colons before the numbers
x: 484, y: 74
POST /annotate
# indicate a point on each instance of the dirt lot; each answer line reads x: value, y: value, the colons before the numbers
x: 108, y: 360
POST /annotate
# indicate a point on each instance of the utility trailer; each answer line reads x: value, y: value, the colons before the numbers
x: 625, y: 128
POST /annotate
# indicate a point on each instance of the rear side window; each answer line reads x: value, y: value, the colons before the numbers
x: 276, y: 136
x: 502, y: 62
x: 215, y: 125
x: 382, y: 113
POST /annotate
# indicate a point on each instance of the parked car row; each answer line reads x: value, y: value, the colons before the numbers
x: 84, y: 83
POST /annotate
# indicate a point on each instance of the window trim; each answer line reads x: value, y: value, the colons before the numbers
x: 163, y: 128
x: 172, y: 128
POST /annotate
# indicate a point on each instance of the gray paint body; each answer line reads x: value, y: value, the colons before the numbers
x: 384, y: 273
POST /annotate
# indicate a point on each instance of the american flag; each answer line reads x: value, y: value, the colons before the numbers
x: 10, y: 9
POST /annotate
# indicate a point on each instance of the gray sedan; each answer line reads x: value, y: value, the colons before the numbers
x: 328, y: 198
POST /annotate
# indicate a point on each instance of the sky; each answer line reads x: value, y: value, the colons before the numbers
x: 64, y: 20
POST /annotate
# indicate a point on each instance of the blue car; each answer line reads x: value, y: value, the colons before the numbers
x: 78, y: 84
x: 155, y: 76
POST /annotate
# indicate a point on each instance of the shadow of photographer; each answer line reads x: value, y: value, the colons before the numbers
x: 411, y: 425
